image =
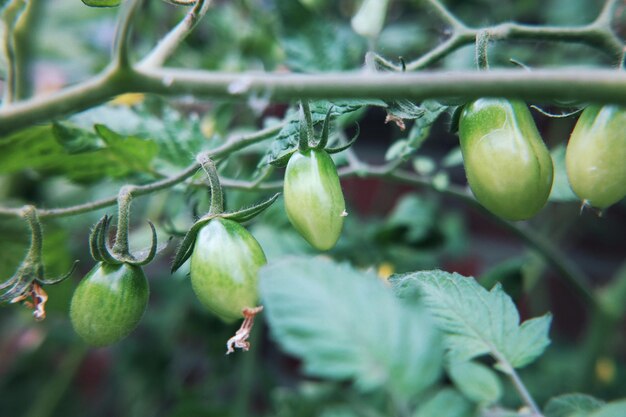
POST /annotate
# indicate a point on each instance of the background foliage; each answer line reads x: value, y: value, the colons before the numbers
x: 335, y: 340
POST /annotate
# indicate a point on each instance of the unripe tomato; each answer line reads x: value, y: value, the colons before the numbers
x: 596, y: 156
x: 109, y: 303
x: 224, y: 268
x: 508, y: 167
x: 313, y: 198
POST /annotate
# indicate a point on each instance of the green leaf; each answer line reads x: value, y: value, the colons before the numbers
x: 287, y: 139
x: 454, y: 158
x: 572, y: 405
x: 413, y: 217
x: 318, y: 45
x: 405, y: 109
x: 432, y: 109
x: 561, y: 190
x: 102, y: 3
x: 345, y: 324
x: 137, y: 154
x: 477, y: 321
x: 75, y: 139
x: 613, y: 409
x: 446, y: 403
x: 476, y: 381
x: 39, y: 148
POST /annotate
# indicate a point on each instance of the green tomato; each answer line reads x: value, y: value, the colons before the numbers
x: 508, y: 167
x: 313, y: 198
x: 109, y: 303
x: 224, y: 268
x: 596, y: 156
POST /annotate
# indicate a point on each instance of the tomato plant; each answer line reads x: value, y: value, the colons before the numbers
x: 229, y: 139
x: 507, y: 164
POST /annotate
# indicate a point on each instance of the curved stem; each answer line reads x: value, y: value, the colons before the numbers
x: 482, y: 44
x: 306, y: 126
x: 121, y: 57
x: 36, y: 241
x: 166, y: 46
x: 124, y: 200
x: 217, y: 195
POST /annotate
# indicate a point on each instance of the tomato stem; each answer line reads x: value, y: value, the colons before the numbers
x: 482, y: 45
x: 124, y: 199
x: 36, y: 241
x: 217, y: 195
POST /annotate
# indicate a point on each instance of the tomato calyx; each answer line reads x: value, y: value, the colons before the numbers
x: 101, y: 251
x: 26, y: 285
x: 306, y: 137
x: 240, y: 339
x: 216, y: 210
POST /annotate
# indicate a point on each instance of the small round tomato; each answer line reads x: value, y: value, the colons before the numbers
x: 109, y: 303
x: 508, y: 167
x: 596, y: 156
x: 313, y: 198
x: 224, y: 268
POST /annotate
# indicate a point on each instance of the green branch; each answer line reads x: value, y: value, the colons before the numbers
x: 170, y: 42
x: 594, y: 85
x: 599, y: 34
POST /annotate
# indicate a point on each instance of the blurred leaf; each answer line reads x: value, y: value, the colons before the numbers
x: 75, y: 139
x: 318, y: 46
x: 572, y: 405
x: 454, y: 158
x: 287, y: 139
x: 446, y: 403
x: 405, y: 109
x: 424, y: 165
x: 613, y: 409
x: 476, y: 381
x: 38, y: 148
x: 345, y: 324
x: 135, y: 153
x: 561, y: 190
x: 477, y: 321
x: 102, y: 3
x: 424, y: 115
x: 413, y: 217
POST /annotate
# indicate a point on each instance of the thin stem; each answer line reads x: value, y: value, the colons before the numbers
x: 445, y: 15
x: 217, y: 195
x: 23, y: 34
x: 306, y: 132
x: 10, y: 16
x: 166, y: 47
x: 124, y: 200
x: 36, y: 241
x: 482, y: 45
x: 121, y: 57
x: 523, y: 392
x: 606, y: 14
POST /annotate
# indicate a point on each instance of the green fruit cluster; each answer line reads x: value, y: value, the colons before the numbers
x: 510, y: 171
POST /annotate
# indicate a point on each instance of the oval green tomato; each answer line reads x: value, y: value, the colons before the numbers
x: 224, y: 268
x: 596, y: 156
x: 109, y: 303
x: 313, y: 198
x: 508, y: 167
